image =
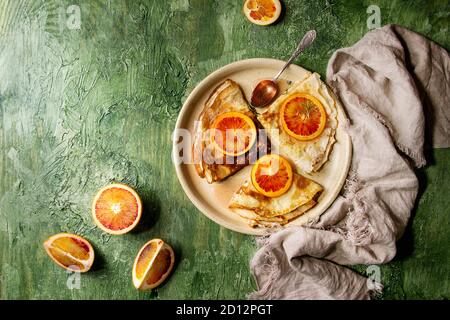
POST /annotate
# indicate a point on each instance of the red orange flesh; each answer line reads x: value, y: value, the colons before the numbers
x: 262, y: 12
x: 234, y: 133
x: 70, y: 251
x: 153, y: 264
x: 303, y: 117
x: 272, y: 175
x: 117, y: 209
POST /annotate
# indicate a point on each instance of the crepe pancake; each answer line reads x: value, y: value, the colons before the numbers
x: 210, y: 162
x: 265, y: 211
x: 307, y: 156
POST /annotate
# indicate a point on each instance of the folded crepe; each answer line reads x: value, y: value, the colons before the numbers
x: 263, y: 211
x: 306, y: 156
x: 210, y: 162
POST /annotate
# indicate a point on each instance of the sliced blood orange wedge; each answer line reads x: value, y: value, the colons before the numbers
x: 153, y: 264
x: 272, y: 175
x: 70, y: 251
x: 303, y: 117
x: 234, y: 133
x: 117, y: 209
x: 262, y: 12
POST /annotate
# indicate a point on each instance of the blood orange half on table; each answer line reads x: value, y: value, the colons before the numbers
x: 272, y: 175
x: 117, y: 209
x: 70, y: 251
x: 303, y: 117
x: 153, y: 264
x: 262, y: 12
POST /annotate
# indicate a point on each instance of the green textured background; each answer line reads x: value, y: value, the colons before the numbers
x: 82, y: 108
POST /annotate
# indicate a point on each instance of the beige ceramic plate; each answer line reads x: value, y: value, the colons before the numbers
x: 213, y: 199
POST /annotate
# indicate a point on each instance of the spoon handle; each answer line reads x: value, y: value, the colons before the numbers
x: 306, y: 41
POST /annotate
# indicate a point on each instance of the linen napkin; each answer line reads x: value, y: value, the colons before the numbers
x: 394, y: 86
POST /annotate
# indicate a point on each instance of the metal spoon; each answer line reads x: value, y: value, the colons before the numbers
x: 266, y: 90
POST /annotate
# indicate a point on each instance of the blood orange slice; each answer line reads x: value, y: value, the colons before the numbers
x: 303, y: 117
x: 262, y: 12
x: 117, y: 209
x: 272, y: 175
x: 153, y: 264
x: 234, y: 133
x: 70, y: 251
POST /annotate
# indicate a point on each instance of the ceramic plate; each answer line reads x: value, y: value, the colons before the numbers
x: 212, y: 200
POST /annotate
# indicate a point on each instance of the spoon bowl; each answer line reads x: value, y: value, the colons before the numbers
x: 264, y: 93
x: 266, y: 90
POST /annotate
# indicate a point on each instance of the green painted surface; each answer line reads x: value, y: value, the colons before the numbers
x: 81, y: 108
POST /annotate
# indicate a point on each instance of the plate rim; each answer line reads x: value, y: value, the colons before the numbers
x: 200, y: 86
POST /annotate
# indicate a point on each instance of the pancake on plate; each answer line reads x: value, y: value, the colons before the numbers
x: 307, y: 146
x: 211, y: 162
x: 267, y: 207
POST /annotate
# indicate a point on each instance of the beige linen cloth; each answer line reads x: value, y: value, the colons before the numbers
x: 394, y: 85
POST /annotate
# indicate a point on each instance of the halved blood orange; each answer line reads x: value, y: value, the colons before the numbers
x: 303, y: 117
x: 272, y: 175
x: 234, y: 133
x: 153, y: 264
x: 70, y: 251
x: 117, y: 209
x: 262, y: 12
